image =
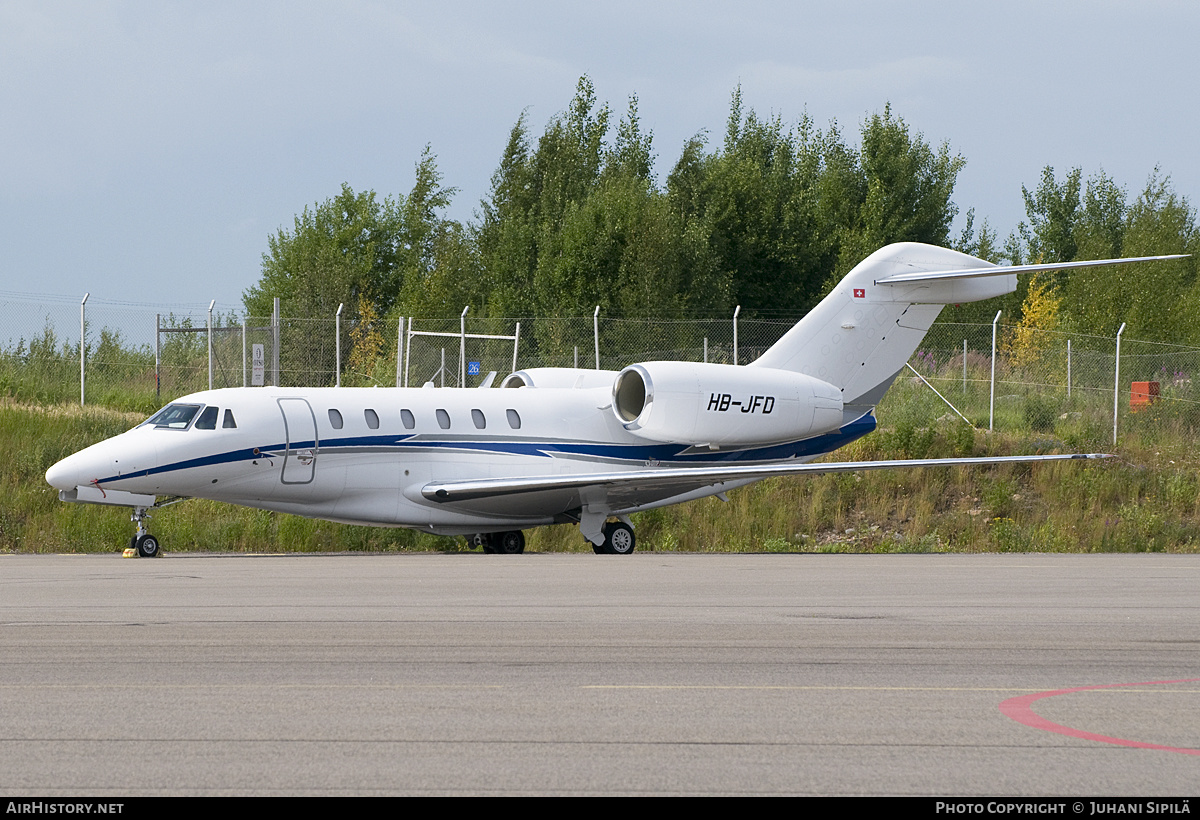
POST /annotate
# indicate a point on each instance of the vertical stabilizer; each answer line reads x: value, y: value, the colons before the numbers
x: 861, y: 335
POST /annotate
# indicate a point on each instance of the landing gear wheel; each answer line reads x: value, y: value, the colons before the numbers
x: 146, y: 546
x: 618, y: 538
x: 509, y: 543
x: 143, y: 543
x: 481, y: 539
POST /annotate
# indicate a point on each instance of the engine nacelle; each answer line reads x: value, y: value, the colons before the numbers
x: 723, y: 405
x: 572, y: 377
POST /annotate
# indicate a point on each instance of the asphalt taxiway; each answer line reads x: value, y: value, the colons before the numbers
x: 580, y: 674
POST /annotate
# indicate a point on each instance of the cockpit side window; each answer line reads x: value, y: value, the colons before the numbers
x: 228, y: 423
x: 208, y: 419
x: 173, y: 417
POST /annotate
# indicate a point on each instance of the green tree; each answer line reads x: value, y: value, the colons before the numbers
x: 336, y: 250
x: 908, y: 189
x: 531, y: 193
x: 1161, y: 296
x: 1053, y: 211
x: 352, y: 245
x: 755, y: 201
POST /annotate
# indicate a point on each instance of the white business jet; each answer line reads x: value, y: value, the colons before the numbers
x: 587, y: 447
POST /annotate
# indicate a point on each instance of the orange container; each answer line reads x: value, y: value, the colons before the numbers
x: 1142, y: 395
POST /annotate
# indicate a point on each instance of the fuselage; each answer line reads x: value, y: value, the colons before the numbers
x: 363, y: 455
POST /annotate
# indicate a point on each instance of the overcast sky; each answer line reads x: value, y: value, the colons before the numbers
x: 147, y: 149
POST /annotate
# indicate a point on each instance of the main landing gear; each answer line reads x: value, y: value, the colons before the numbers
x: 503, y: 543
x: 618, y: 539
x: 143, y: 543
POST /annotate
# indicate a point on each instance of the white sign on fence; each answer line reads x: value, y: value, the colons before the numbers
x: 259, y: 364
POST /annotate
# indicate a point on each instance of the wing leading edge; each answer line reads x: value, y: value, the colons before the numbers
x: 669, y: 481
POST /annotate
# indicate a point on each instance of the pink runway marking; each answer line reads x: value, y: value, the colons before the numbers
x: 1021, y: 710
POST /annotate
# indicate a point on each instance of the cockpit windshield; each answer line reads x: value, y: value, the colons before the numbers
x: 173, y: 417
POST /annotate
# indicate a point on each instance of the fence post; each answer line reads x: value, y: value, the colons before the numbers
x: 82, y: 349
x: 275, y: 343
x: 992, y: 400
x: 157, y: 356
x: 964, y: 367
x: 736, y: 311
x: 596, y: 333
x: 243, y: 352
x: 1068, y: 368
x: 516, y: 341
x: 399, y: 349
x: 337, y: 345
x: 706, y: 350
x: 408, y: 349
x: 1117, y: 383
x: 210, y: 310
x: 462, y: 347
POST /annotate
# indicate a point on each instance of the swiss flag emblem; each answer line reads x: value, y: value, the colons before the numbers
x: 860, y: 293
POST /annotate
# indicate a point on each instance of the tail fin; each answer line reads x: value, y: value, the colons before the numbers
x: 861, y: 335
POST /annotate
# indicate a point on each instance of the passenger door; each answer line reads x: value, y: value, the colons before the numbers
x: 300, y: 431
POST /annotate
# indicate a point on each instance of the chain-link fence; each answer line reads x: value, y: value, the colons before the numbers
x: 1065, y: 384
x: 136, y: 356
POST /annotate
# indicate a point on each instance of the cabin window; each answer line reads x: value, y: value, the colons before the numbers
x: 406, y: 418
x: 208, y: 419
x: 335, y: 419
x: 372, y: 419
x: 514, y: 419
x: 228, y: 423
x: 477, y: 417
x: 443, y: 419
x: 174, y: 416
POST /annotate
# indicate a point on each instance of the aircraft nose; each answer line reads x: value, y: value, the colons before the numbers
x: 66, y: 475
x: 84, y: 467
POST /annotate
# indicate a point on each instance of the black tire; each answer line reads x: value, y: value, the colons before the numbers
x: 599, y: 549
x: 509, y: 543
x: 146, y: 546
x: 619, y: 539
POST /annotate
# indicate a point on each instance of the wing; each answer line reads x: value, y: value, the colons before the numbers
x: 633, y: 488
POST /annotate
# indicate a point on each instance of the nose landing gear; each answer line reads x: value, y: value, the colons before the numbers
x: 143, y: 544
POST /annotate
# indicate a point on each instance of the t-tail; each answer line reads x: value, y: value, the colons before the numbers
x: 862, y: 334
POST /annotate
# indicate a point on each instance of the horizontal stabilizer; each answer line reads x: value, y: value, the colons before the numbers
x: 1000, y: 270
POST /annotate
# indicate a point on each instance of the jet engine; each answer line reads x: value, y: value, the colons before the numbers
x: 721, y: 405
x: 570, y: 377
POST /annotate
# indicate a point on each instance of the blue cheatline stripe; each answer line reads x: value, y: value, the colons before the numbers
x: 815, y: 446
